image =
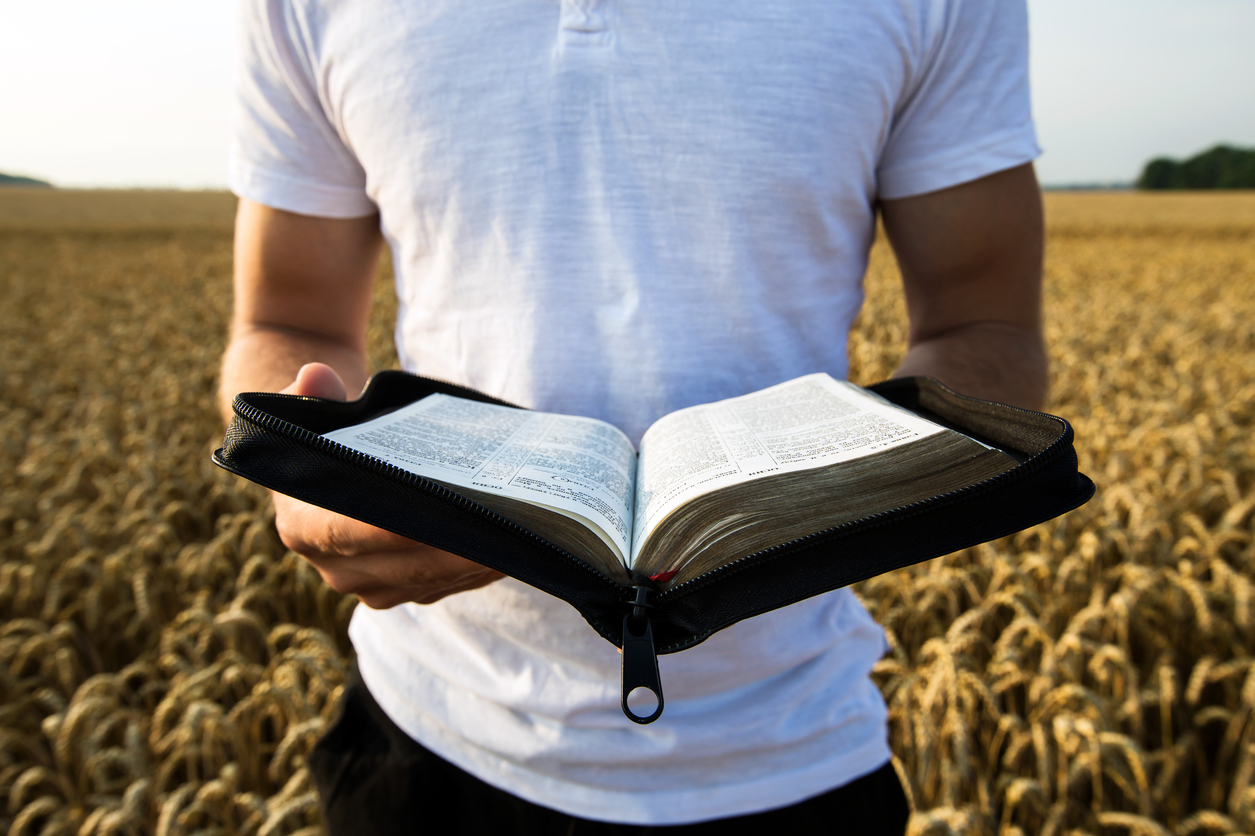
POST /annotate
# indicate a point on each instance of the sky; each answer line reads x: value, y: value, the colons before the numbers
x: 138, y: 92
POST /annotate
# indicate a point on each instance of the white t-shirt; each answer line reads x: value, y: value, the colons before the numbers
x: 619, y: 209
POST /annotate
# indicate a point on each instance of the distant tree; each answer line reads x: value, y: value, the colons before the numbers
x: 1222, y: 167
x: 1158, y: 174
x: 29, y: 182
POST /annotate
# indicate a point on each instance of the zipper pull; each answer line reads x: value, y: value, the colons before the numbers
x: 640, y: 660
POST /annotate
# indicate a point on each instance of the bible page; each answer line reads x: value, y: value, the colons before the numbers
x: 580, y: 467
x: 804, y: 423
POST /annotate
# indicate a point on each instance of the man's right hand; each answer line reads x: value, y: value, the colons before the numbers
x: 381, y: 568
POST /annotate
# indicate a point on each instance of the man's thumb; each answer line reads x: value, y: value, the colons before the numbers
x: 318, y: 380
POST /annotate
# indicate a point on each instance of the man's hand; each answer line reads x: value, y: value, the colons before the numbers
x: 381, y: 568
x: 971, y: 262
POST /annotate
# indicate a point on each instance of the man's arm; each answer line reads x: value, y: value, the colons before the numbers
x: 971, y: 263
x: 302, y: 295
x: 302, y: 300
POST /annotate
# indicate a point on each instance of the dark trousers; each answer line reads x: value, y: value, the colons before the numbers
x: 373, y: 778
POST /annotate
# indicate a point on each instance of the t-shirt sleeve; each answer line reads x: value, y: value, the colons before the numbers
x: 968, y: 114
x: 285, y: 151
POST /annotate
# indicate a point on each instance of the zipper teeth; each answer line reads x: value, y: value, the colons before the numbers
x: 289, y: 430
x: 1023, y: 471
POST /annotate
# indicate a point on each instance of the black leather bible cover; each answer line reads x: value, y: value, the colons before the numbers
x: 276, y: 440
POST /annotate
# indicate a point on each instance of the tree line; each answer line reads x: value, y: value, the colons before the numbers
x: 1222, y: 167
x: 30, y: 182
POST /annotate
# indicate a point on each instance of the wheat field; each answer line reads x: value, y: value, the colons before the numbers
x: 165, y: 664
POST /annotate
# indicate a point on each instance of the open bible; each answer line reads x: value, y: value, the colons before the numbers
x: 731, y: 509
x: 711, y: 484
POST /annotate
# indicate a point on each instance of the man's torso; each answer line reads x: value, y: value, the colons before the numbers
x: 617, y: 209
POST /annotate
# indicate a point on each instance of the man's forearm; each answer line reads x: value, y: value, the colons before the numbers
x: 302, y: 295
x: 971, y: 261
x: 266, y: 358
x: 992, y: 361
